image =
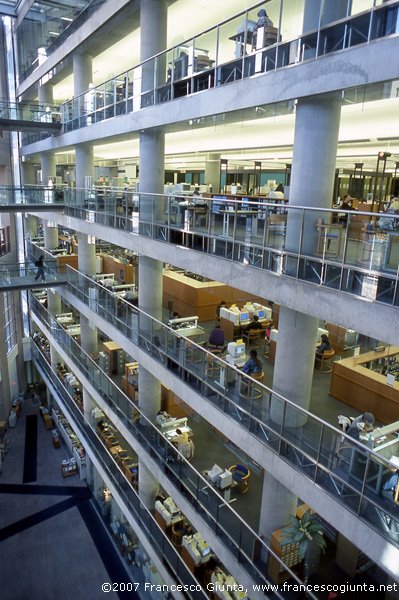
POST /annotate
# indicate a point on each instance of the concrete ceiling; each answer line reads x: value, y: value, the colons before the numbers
x: 366, y: 128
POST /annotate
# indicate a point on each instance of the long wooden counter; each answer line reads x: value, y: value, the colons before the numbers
x: 192, y: 297
x: 364, y: 389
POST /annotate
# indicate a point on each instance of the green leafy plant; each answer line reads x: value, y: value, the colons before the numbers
x: 305, y: 531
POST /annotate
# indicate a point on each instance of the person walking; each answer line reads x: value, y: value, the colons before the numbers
x: 40, y: 268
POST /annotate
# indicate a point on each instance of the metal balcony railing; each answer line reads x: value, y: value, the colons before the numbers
x: 227, y: 525
x: 306, y: 442
x: 167, y: 553
x: 227, y: 53
x: 351, y: 251
x: 32, y: 197
x: 26, y: 275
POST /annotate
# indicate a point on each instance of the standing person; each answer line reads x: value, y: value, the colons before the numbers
x: 222, y: 304
x: 40, y: 268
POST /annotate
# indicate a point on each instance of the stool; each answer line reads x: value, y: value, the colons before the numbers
x: 250, y: 390
x: 252, y: 335
x: 325, y: 361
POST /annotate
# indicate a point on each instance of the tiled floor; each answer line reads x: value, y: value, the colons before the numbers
x: 46, y: 543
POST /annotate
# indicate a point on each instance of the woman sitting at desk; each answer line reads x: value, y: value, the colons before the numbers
x: 184, y: 445
x: 253, y: 364
x: 325, y: 345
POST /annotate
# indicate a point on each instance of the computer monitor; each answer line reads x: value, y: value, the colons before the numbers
x: 205, y: 551
x: 235, y: 350
x: 244, y: 317
x: 261, y: 314
x: 240, y: 350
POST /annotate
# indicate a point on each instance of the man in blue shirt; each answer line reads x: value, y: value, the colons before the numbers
x: 253, y: 364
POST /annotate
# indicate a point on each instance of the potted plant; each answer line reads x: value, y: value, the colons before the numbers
x: 307, y: 533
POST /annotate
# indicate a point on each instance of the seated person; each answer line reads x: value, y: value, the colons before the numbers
x: 254, y: 324
x: 253, y: 364
x: 184, y: 445
x: 390, y: 486
x: 325, y: 345
x: 346, y: 204
x: 216, y: 338
x: 362, y: 423
x: 162, y: 416
x: 130, y: 297
x: 180, y: 438
x: 263, y: 21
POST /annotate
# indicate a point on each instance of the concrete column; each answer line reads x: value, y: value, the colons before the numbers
x: 153, y: 27
x: 48, y: 167
x: 54, y: 357
x: 31, y: 225
x: 5, y: 393
x: 84, y: 159
x: 148, y: 486
x: 316, y: 127
x: 88, y: 405
x: 153, y: 39
x: 313, y: 167
x: 87, y: 265
x: 45, y: 93
x: 212, y: 172
x: 82, y: 73
x: 86, y: 255
x: 19, y: 329
x: 278, y: 503
x: 50, y: 237
x: 152, y: 167
x: 88, y: 336
x: 294, y: 364
x: 53, y: 302
x: 47, y: 160
x: 28, y: 172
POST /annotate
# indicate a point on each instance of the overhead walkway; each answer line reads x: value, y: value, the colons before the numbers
x: 23, y: 276
x: 30, y: 198
x: 29, y: 117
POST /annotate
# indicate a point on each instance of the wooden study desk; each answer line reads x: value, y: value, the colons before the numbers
x: 364, y: 389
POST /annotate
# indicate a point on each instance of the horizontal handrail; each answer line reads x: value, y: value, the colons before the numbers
x: 91, y: 440
x: 72, y: 348
x: 257, y: 425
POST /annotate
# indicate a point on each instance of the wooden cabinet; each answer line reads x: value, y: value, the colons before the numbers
x: 364, y: 389
x: 174, y: 405
x: 289, y: 554
x: 191, y: 297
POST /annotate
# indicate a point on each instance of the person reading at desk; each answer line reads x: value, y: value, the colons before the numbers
x: 325, y: 345
x: 162, y: 417
x: 184, y: 445
x: 253, y: 364
x: 364, y: 423
x: 263, y: 21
